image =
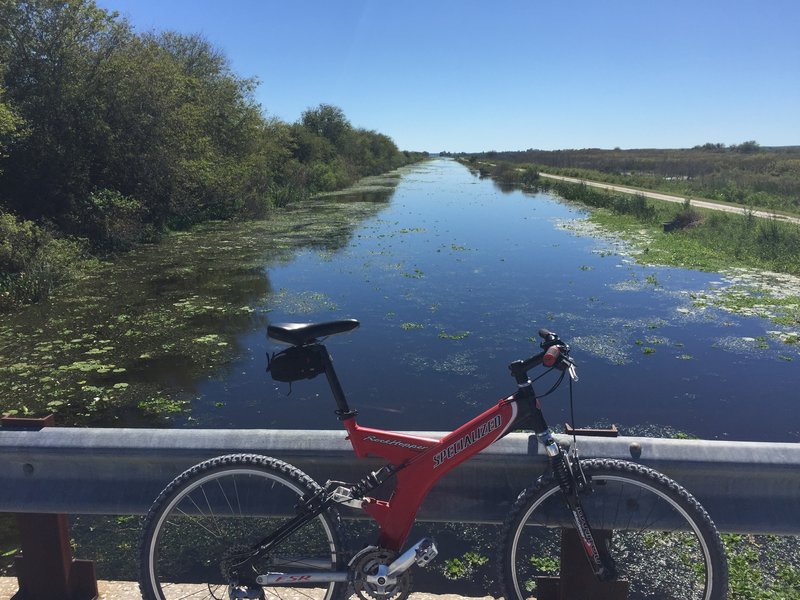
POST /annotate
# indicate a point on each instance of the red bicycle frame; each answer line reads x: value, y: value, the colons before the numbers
x: 419, y: 462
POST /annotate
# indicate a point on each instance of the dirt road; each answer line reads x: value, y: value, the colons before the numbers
x: 764, y: 214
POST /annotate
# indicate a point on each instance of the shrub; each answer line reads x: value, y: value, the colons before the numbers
x: 321, y: 177
x: 33, y: 262
x: 529, y: 176
x: 114, y: 222
x: 18, y: 243
x: 686, y: 217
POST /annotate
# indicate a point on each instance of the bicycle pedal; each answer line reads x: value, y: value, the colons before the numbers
x: 426, y: 552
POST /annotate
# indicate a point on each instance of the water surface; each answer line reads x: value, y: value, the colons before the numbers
x: 451, y: 281
x: 450, y: 276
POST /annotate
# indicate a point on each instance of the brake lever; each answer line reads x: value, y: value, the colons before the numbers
x: 573, y: 372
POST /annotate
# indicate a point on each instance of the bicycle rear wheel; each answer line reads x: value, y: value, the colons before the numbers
x: 213, y: 514
x: 661, y: 540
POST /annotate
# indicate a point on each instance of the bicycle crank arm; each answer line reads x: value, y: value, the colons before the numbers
x: 421, y: 553
x: 275, y: 579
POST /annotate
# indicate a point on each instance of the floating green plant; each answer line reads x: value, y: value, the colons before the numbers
x: 453, y: 336
x: 210, y: 338
x: 161, y: 405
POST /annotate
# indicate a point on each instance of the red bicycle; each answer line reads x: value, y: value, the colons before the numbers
x: 248, y: 526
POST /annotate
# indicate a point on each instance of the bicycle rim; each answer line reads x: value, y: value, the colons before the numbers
x: 213, y: 515
x: 661, y: 541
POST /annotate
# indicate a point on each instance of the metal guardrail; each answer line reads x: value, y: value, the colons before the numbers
x: 747, y: 487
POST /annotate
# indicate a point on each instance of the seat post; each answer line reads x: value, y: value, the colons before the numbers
x: 343, y: 410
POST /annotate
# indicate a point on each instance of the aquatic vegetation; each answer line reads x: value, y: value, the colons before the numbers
x: 787, y: 337
x: 102, y: 349
x: 453, y: 336
x: 604, y: 346
x: 464, y: 566
x: 299, y: 303
x: 161, y: 405
x: 415, y: 274
x: 747, y: 292
x: 463, y: 363
x: 743, y: 290
x: 742, y: 345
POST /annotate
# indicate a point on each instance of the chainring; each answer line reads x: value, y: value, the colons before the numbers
x: 367, y: 565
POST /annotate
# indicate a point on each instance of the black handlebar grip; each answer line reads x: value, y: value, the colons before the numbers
x: 551, y: 356
x: 546, y: 334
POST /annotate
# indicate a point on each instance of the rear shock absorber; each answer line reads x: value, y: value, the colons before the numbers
x: 371, y: 481
x: 352, y: 495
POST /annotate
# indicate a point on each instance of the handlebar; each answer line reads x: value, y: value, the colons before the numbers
x: 555, y: 354
x: 547, y: 335
x: 551, y: 356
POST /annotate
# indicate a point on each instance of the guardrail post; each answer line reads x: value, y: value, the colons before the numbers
x: 46, y: 569
x: 576, y: 578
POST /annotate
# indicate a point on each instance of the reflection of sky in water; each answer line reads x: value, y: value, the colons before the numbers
x: 454, y: 257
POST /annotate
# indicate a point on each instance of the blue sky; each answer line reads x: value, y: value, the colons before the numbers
x: 504, y: 75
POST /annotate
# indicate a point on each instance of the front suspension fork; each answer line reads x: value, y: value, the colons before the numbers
x: 574, y: 484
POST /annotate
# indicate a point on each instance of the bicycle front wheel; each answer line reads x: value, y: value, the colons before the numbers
x: 662, y: 542
x: 213, y: 514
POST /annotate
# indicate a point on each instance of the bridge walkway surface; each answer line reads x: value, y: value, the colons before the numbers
x: 129, y: 590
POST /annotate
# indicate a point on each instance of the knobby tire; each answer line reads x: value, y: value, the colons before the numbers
x: 212, y: 513
x: 663, y: 542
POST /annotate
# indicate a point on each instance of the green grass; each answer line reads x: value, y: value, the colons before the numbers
x: 762, y: 567
x: 719, y: 241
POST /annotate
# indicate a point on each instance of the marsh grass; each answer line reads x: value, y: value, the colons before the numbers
x: 714, y: 240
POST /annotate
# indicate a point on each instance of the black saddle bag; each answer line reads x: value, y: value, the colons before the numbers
x: 295, y: 363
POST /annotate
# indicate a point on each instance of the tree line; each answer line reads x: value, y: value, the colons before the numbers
x: 109, y: 137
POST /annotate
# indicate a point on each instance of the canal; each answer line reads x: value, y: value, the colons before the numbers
x: 450, y: 276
